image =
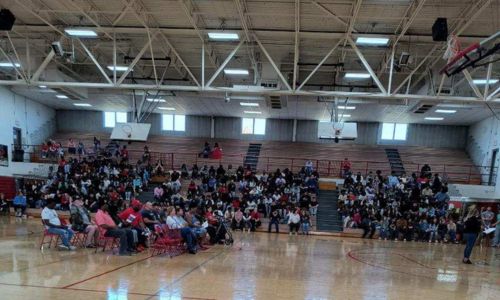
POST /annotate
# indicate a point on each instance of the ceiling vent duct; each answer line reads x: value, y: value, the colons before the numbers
x: 422, y: 108
x: 276, y: 102
x: 269, y: 79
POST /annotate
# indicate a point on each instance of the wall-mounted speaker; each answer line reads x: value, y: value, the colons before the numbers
x: 7, y: 20
x: 440, y: 30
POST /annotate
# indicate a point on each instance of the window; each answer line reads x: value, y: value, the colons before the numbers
x: 111, y: 118
x: 394, y: 131
x: 253, y: 126
x: 173, y: 122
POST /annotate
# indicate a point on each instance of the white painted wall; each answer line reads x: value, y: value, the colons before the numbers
x: 37, y: 122
x: 483, y: 138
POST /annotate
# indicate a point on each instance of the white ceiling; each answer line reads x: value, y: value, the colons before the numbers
x: 318, y: 26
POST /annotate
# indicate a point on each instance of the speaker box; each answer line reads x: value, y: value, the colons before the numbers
x: 7, y: 20
x: 440, y: 30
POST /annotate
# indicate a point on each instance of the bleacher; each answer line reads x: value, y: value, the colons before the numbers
x: 453, y: 164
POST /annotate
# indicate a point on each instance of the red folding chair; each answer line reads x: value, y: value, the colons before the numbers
x: 50, y: 236
x: 79, y: 239
x: 169, y: 241
x: 103, y: 242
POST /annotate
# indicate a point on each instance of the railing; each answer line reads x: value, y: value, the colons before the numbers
x: 453, y: 173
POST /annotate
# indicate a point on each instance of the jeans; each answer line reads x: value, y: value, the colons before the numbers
x: 65, y: 234
x: 276, y: 225
x: 496, y: 239
x: 313, y: 210
x: 305, y: 228
x: 470, y: 240
x: 189, y: 237
x: 268, y: 210
x: 126, y: 237
x: 453, y: 235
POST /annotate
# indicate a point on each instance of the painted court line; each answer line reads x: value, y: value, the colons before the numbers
x: 180, y: 278
x: 107, y: 272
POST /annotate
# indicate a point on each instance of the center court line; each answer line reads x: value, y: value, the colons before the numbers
x: 180, y: 278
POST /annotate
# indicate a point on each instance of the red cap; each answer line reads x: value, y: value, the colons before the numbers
x: 136, y: 203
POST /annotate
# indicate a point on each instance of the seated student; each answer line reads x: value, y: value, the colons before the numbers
x: 205, y: 153
x: 237, y: 222
x: 305, y: 221
x: 82, y: 222
x: 53, y: 225
x: 294, y: 221
x: 176, y: 221
x: 150, y: 216
x: 4, y: 204
x: 81, y: 148
x: 131, y: 217
x: 109, y: 228
x: 146, y: 156
x: 346, y: 167
x: 196, y: 226
x: 44, y: 150
x: 71, y: 146
x: 20, y: 203
x: 217, y: 152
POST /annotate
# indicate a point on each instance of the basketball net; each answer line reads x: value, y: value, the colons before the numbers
x: 453, y: 47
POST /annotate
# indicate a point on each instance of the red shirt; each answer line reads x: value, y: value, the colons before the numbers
x: 254, y: 215
x: 124, y: 215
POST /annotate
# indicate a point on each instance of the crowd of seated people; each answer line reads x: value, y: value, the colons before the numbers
x: 410, y: 208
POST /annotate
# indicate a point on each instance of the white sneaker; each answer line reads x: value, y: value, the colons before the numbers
x: 62, y: 247
x: 72, y: 248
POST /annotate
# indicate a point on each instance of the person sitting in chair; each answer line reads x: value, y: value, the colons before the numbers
x: 53, y: 225
x: 109, y: 228
x: 205, y: 153
x: 82, y: 222
x: 20, y: 204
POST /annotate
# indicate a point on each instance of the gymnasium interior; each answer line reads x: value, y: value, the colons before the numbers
x: 249, y: 149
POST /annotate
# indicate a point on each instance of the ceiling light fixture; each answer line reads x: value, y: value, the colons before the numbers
x: 62, y: 96
x: 82, y: 104
x: 249, y: 104
x: 252, y: 112
x: 357, y: 75
x: 160, y: 100
x: 484, y: 81
x: 9, y: 65
x: 344, y: 116
x: 80, y: 32
x: 166, y: 108
x: 118, y: 68
x: 434, y: 118
x: 223, y: 36
x: 346, y: 107
x: 42, y: 86
x: 446, y: 111
x: 235, y: 71
x: 369, y: 41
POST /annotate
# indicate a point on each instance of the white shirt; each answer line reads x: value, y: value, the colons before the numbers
x: 51, y: 215
x: 293, y: 218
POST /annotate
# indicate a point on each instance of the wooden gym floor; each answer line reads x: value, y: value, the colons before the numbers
x: 268, y: 266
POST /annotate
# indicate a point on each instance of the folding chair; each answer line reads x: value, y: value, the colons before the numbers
x: 50, y: 236
x: 103, y: 242
x: 169, y: 241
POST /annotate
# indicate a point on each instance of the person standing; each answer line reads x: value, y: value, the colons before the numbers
x: 472, y: 227
x: 496, y: 240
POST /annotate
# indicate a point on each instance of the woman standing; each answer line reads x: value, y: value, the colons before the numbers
x: 472, y: 227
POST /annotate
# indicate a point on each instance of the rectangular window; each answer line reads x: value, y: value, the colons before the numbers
x: 400, y: 132
x: 259, y: 127
x: 253, y: 126
x: 247, y: 126
x: 111, y: 118
x: 394, y: 131
x: 173, y: 122
x: 121, y: 117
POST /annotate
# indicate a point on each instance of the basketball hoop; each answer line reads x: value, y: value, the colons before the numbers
x: 127, y: 129
x: 452, y: 49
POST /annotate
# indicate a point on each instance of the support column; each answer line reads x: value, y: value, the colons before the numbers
x: 212, y: 127
x: 294, y: 134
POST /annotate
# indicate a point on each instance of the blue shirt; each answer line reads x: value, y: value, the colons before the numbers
x: 20, y: 200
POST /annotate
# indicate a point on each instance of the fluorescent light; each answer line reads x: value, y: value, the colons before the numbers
x: 236, y: 71
x: 434, y: 118
x: 9, y: 65
x: 252, y: 112
x: 223, y: 36
x: 156, y: 100
x: 118, y: 68
x: 80, y: 32
x: 372, y: 41
x: 166, y: 108
x: 62, y: 96
x: 42, y: 86
x: 484, y: 81
x: 82, y: 104
x: 249, y: 104
x: 357, y: 75
x: 346, y: 107
x: 446, y: 111
x: 344, y: 116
